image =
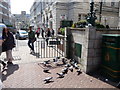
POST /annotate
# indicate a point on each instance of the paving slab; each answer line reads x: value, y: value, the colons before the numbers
x: 27, y: 73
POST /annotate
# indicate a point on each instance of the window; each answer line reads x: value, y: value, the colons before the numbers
x: 104, y: 2
x: 84, y: 16
x: 79, y: 17
x: 112, y: 3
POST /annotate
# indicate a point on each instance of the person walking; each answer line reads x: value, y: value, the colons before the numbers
x: 48, y: 34
x: 52, y: 32
x: 31, y: 37
x: 8, y: 44
x: 42, y: 33
x: 38, y: 32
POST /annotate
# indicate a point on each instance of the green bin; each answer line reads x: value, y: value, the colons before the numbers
x: 111, y: 56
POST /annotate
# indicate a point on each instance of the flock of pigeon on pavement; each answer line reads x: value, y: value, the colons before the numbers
x: 69, y: 65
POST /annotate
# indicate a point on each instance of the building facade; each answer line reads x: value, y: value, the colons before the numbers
x: 22, y: 20
x: 51, y: 12
x: 5, y: 12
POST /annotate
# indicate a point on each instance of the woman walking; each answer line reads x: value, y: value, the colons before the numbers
x: 38, y: 32
x: 8, y: 44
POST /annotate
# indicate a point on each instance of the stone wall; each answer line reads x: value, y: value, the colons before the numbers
x: 79, y: 36
x: 91, y: 40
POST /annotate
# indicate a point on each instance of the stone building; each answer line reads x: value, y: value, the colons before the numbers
x: 51, y: 12
x: 22, y: 20
x: 5, y: 12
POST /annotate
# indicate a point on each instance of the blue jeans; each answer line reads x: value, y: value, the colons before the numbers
x: 31, y: 44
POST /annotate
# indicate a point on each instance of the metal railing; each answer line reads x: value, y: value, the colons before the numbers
x: 50, y: 47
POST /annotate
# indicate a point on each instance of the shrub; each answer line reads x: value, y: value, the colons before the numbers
x: 99, y: 25
x: 83, y: 23
x: 74, y: 25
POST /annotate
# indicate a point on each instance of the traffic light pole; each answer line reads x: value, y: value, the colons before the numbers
x: 91, y: 16
x: 100, y: 11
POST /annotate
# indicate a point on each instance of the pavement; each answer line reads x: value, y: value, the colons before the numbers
x: 27, y: 72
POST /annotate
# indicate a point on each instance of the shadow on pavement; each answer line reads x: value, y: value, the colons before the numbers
x: 10, y: 70
x: 99, y: 75
x: 36, y: 54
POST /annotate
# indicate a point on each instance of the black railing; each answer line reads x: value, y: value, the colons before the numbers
x: 50, y: 47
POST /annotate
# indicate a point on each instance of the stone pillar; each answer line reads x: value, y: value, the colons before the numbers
x: 90, y: 49
x: 93, y: 50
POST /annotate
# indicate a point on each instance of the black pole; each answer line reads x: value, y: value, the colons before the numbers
x: 91, y: 16
x: 100, y: 16
x: 91, y: 8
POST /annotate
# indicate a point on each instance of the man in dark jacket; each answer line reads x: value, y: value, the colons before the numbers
x: 48, y: 34
x: 31, y: 37
x: 42, y: 33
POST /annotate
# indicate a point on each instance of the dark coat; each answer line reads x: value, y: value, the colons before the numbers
x: 48, y: 33
x: 9, y: 42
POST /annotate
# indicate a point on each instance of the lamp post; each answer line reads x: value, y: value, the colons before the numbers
x: 91, y: 16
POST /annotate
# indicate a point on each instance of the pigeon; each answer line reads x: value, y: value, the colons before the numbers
x: 72, y: 63
x: 70, y: 60
x: 71, y: 68
x: 76, y: 66
x: 54, y: 60
x: 79, y: 72
x: 58, y: 57
x: 65, y: 70
x: 67, y: 65
x: 47, y: 62
x: 47, y: 80
x: 44, y: 63
x: 118, y: 85
x: 64, y: 61
x: 46, y: 70
x: 61, y: 75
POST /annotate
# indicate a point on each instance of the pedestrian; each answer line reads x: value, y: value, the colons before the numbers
x: 59, y: 31
x: 8, y: 44
x: 42, y: 33
x: 32, y: 39
x: 48, y: 34
x: 38, y: 32
x: 52, y: 33
x: 107, y: 26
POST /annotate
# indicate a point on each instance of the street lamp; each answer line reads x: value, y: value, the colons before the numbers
x: 91, y: 16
